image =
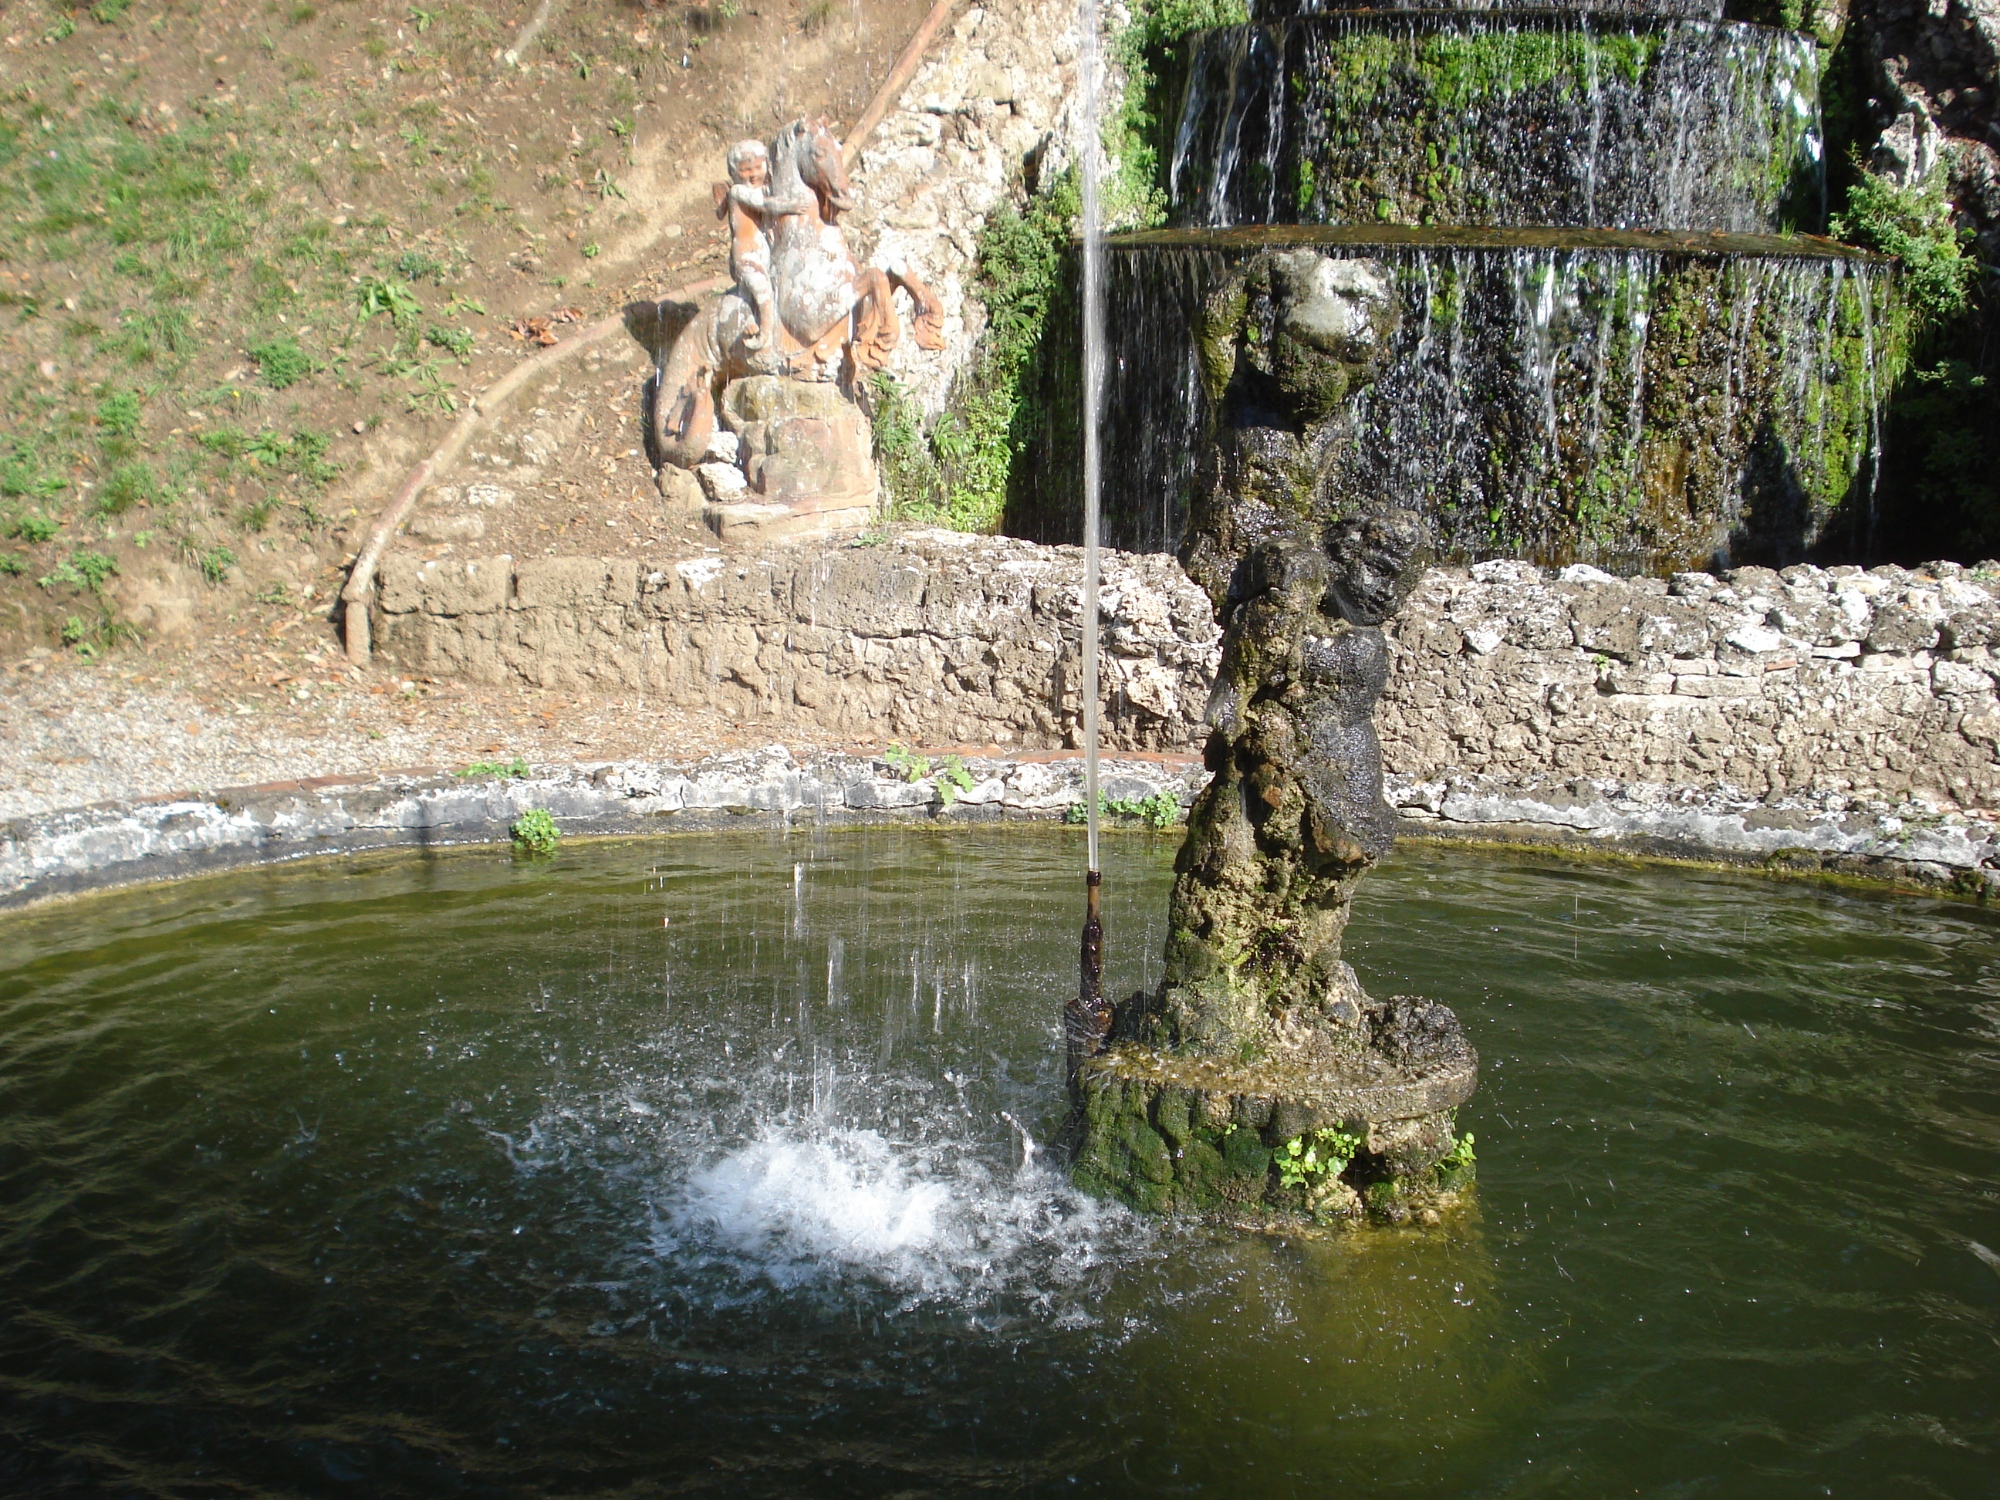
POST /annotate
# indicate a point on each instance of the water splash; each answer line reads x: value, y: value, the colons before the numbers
x: 932, y: 1222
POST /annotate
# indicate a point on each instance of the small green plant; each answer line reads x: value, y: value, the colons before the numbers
x: 34, y: 528
x: 457, y: 341
x: 1460, y: 1155
x: 118, y: 413
x: 423, y: 20
x: 309, y: 460
x: 281, y: 362
x: 906, y: 763
x: 228, y: 442
x: 106, y: 12
x: 1161, y: 809
x: 83, y: 570
x: 1308, y: 1160
x: 952, y: 778
x: 269, y: 449
x: 516, y: 768
x: 128, y: 485
x: 213, y: 562
x: 377, y: 294
x: 535, y: 832
x: 416, y: 265
x: 13, y: 564
x: 590, y: 251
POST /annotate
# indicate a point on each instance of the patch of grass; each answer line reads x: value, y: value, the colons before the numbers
x: 118, y: 413
x: 419, y: 265
x: 126, y: 486
x: 281, y: 362
x: 23, y: 471
x: 34, y: 528
x: 535, y: 832
x: 212, y: 562
x: 13, y: 564
x: 229, y: 442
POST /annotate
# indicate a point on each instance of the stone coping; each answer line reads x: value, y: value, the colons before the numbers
x: 1249, y: 238
x: 122, y: 843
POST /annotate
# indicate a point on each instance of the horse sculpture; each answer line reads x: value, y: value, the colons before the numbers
x: 837, y: 319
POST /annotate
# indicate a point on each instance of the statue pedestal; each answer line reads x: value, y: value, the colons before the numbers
x: 806, y: 454
x: 1313, y: 1136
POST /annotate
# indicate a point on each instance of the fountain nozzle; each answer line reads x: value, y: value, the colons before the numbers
x: 1087, y: 1019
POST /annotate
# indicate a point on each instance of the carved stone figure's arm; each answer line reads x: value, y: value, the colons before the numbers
x: 766, y: 207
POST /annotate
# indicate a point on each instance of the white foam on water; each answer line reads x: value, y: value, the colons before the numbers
x: 931, y: 1222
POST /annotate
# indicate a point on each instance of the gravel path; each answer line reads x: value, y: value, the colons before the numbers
x: 137, y: 726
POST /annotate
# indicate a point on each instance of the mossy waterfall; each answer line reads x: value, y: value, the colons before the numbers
x: 1455, y: 284
x: 1613, y: 333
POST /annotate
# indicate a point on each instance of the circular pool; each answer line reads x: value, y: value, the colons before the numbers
x: 710, y: 1165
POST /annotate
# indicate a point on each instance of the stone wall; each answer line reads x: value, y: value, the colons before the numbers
x: 1824, y: 684
x: 936, y: 637
x: 1833, y: 711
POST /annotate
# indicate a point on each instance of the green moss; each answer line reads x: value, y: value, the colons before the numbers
x: 958, y: 473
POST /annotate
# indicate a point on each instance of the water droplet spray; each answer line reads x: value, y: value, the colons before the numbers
x: 1089, y: 1019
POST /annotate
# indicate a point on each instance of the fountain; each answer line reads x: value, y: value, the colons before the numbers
x: 1458, y: 284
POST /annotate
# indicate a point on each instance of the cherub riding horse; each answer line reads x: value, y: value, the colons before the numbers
x: 836, y: 319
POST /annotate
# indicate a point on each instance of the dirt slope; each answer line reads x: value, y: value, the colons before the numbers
x: 253, y: 258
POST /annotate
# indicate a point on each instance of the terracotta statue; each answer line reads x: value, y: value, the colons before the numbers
x: 818, y: 316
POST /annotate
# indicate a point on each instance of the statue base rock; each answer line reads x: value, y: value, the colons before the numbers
x: 805, y: 456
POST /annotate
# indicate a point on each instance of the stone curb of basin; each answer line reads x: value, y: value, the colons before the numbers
x: 113, y: 844
x: 65, y: 853
x: 1913, y: 845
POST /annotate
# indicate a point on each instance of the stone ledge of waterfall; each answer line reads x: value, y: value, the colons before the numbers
x: 141, y: 842
x: 1279, y: 10
x: 1251, y: 237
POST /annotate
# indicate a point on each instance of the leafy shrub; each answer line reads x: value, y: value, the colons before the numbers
x: 1914, y: 224
x: 535, y: 832
x: 33, y: 528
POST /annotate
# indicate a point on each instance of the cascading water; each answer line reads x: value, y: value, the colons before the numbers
x: 1599, y: 348
x: 1576, y: 120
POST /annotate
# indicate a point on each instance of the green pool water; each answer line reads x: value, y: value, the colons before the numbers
x: 709, y: 1166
